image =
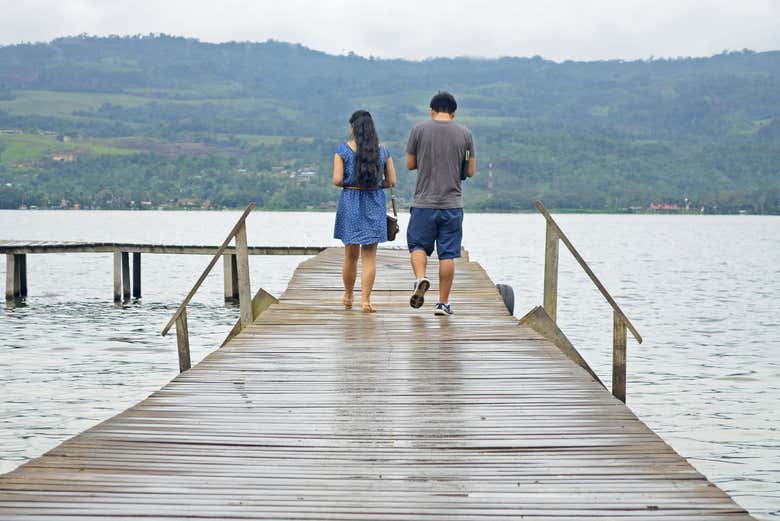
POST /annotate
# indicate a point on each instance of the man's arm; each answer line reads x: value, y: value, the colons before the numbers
x: 411, y: 149
x: 411, y: 162
x: 472, y: 155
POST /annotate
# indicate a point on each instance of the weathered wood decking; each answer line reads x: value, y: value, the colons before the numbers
x: 314, y: 412
x: 38, y: 247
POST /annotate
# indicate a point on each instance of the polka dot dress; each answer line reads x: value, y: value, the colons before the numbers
x: 361, y: 214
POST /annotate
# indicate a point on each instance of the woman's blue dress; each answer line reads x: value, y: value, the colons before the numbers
x: 361, y: 216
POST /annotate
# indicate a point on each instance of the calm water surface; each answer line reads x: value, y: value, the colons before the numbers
x: 704, y: 291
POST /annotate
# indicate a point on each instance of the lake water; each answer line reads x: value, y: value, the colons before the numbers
x: 704, y: 291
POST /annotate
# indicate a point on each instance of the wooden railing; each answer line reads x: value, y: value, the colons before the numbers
x: 244, y: 290
x: 620, y: 322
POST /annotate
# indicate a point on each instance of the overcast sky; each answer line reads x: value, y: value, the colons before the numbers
x: 416, y: 29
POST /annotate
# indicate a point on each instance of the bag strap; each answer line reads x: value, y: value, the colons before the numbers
x: 393, y: 201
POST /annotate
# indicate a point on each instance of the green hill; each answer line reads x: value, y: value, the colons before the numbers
x: 107, y: 121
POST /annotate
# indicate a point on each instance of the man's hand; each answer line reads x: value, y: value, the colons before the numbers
x: 411, y: 162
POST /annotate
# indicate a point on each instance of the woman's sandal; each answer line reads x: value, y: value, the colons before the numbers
x: 347, y: 301
x: 367, y: 308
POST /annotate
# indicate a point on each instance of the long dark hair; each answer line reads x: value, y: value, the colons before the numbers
x: 367, y: 155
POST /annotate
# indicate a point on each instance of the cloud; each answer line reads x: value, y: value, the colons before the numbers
x: 555, y: 29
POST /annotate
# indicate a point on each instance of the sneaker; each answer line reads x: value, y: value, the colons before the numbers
x: 418, y: 297
x: 443, y: 310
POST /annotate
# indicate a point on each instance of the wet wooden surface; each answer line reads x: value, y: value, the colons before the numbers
x: 314, y: 412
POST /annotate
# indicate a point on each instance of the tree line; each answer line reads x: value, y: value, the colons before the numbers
x: 605, y: 135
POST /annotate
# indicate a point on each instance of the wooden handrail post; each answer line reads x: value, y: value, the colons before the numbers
x: 242, y: 267
x: 551, y: 271
x: 179, y: 318
x: 557, y: 232
x: 618, y: 357
x: 620, y: 322
x: 214, y: 259
x: 183, y: 341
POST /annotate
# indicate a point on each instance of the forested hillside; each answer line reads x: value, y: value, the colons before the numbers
x: 153, y: 121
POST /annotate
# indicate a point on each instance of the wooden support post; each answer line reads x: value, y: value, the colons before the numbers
x: 22, y: 261
x: 242, y: 267
x: 117, y: 276
x: 554, y: 235
x: 538, y: 320
x: 618, y: 357
x: 125, y: 275
x: 551, y: 272
x: 234, y: 276
x: 136, y: 274
x: 227, y: 277
x: 183, y: 342
x: 230, y: 277
x: 11, y: 274
x: 262, y: 301
x: 243, y: 271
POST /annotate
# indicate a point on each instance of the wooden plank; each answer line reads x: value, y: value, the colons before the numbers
x: 183, y: 342
x: 38, y: 247
x: 618, y: 357
x: 316, y: 412
x: 550, y: 300
x: 242, y: 273
x: 542, y: 323
x: 260, y: 302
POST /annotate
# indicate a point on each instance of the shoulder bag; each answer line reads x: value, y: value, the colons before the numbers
x: 392, y: 220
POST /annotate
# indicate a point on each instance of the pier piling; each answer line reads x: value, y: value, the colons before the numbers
x: 125, y: 275
x: 117, y: 276
x: 136, y: 274
x: 231, y: 277
x: 11, y: 277
x: 22, y: 261
x: 15, y: 276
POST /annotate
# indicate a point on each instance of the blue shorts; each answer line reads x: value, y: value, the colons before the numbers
x: 444, y: 227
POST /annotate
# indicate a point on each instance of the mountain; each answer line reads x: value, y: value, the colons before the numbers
x: 104, y: 121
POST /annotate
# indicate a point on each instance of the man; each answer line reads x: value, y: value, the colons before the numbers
x: 437, y: 149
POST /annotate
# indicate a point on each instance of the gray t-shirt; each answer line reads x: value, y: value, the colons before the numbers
x: 440, y: 147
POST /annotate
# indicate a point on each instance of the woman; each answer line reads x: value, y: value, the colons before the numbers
x: 362, y: 168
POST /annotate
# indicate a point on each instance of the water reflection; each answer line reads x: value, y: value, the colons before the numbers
x: 361, y: 394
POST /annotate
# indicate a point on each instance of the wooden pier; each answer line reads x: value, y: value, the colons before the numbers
x: 316, y: 412
x: 16, y: 253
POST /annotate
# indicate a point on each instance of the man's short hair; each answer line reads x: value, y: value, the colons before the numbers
x: 443, y: 101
